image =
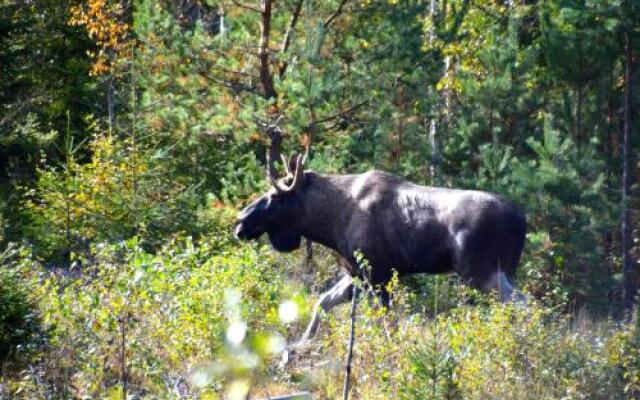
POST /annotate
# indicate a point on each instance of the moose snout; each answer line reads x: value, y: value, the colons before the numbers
x: 245, y: 231
x: 240, y: 231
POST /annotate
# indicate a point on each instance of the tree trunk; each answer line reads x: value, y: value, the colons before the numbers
x: 266, y: 77
x: 628, y: 267
x: 433, y: 128
x: 110, y: 104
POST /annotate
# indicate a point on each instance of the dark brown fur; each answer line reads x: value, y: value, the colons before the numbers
x: 395, y: 224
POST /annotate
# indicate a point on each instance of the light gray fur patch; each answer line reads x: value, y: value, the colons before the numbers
x: 499, y: 282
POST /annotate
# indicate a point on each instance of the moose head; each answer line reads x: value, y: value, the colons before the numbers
x: 274, y: 212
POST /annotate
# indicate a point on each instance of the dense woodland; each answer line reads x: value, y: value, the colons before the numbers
x: 132, y: 132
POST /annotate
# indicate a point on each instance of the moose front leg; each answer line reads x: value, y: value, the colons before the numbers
x: 339, y: 293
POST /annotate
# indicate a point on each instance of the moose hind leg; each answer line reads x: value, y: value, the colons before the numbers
x: 502, y: 285
x: 338, y: 294
x: 499, y: 282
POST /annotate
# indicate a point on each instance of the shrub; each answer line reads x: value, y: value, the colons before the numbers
x: 17, y: 316
x: 187, y: 320
x: 479, y: 351
x: 118, y: 193
x: 202, y: 320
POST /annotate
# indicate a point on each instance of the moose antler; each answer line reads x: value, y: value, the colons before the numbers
x: 285, y: 163
x: 298, y: 173
x: 271, y: 167
x: 296, y: 169
x: 306, y: 152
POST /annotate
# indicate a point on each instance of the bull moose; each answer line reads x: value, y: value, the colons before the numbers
x: 395, y: 224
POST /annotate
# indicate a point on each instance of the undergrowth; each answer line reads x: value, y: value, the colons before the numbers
x: 478, y: 351
x: 209, y: 320
x: 189, y: 320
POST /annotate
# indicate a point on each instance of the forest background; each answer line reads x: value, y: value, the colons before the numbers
x: 133, y: 130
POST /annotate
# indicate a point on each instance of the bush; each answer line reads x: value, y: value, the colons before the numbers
x: 17, y: 316
x: 203, y: 320
x: 116, y: 195
x: 188, y: 320
x: 477, y: 351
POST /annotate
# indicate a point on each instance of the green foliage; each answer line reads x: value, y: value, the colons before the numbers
x: 18, y: 319
x: 563, y: 189
x: 626, y: 344
x: 432, y: 367
x: 119, y: 193
x: 241, y: 180
x: 206, y: 320
x: 174, y: 310
x: 478, y: 352
x: 45, y: 89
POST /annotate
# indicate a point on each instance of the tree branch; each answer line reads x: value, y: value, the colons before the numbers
x: 232, y: 72
x: 266, y: 78
x: 234, y: 85
x: 335, y: 14
x: 245, y: 6
x: 287, y: 38
x: 341, y: 113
